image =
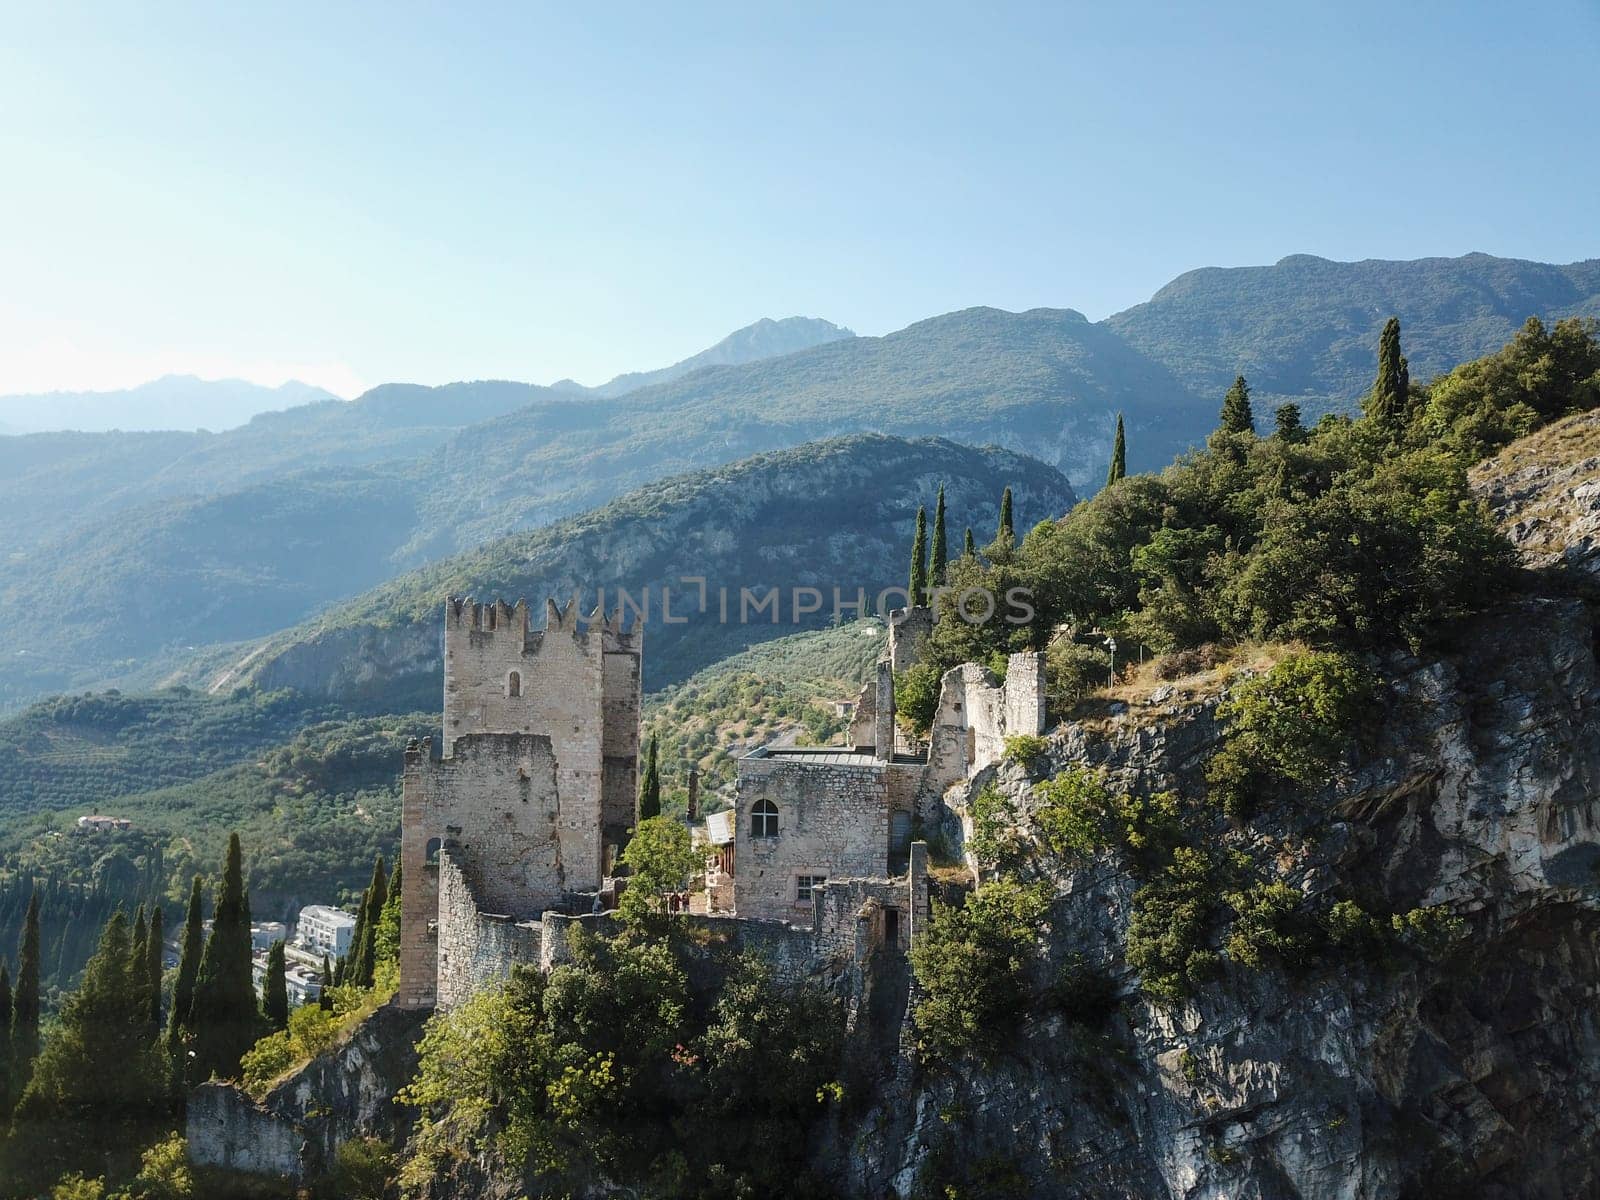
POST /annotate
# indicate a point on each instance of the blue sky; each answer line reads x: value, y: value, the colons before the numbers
x: 351, y: 194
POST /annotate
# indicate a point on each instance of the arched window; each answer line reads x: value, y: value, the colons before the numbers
x: 764, y: 819
x: 433, y: 852
x: 514, y: 684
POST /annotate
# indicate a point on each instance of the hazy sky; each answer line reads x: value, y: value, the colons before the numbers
x: 350, y: 194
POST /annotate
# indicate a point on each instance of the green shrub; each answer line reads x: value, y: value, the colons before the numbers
x: 1168, y: 930
x: 994, y: 841
x: 1288, y: 726
x: 1429, y: 931
x: 1078, y: 817
x: 916, y: 695
x: 1269, y: 926
x: 363, y: 1170
x: 1351, y: 929
x: 1025, y: 747
x: 970, y: 967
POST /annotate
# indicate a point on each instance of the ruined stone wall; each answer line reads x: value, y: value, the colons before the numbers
x: 908, y: 633
x: 1025, y: 693
x: 495, y: 807
x: 864, y: 721
x: 976, y: 714
x: 476, y: 948
x: 832, y: 821
x: 621, y: 704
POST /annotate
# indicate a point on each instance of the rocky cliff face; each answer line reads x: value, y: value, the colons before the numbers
x: 1474, y: 1073
x: 294, y: 1133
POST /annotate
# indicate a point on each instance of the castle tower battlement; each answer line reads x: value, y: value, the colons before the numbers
x: 536, y: 781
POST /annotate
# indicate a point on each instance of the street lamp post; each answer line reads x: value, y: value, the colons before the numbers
x: 1111, y: 645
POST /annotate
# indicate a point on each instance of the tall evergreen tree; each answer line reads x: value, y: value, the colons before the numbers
x: 1288, y: 419
x: 1386, y: 403
x: 919, y: 560
x: 178, y: 1019
x: 275, y: 989
x: 1119, y: 456
x: 1005, y: 530
x: 224, y: 1015
x: 970, y: 548
x: 1237, y: 416
x: 138, y: 962
x: 650, y: 783
x: 388, y: 932
x: 25, y: 1000
x: 938, y: 557
x: 154, y: 946
x: 324, y: 994
x: 5, y: 1041
x: 99, y: 1066
x: 371, y: 910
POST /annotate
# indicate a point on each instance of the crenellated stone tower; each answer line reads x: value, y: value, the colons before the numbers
x: 534, y: 788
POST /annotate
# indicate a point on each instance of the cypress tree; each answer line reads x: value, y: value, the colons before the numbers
x: 1386, y: 403
x: 938, y: 557
x: 1237, y: 416
x: 138, y: 958
x: 100, y: 1064
x: 366, y: 956
x: 154, y: 946
x: 25, y: 1001
x: 1288, y: 419
x: 970, y: 548
x: 1119, y: 456
x: 1005, y: 530
x: 224, y: 1016
x: 5, y: 1041
x: 188, y: 969
x: 388, y: 932
x: 324, y: 1000
x: 919, y: 560
x: 275, y: 989
x: 650, y: 784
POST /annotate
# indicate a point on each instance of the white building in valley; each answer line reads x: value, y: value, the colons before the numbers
x: 322, y: 929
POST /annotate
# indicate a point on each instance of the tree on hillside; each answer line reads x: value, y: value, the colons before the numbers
x: 152, y: 966
x: 1385, y: 404
x: 1005, y: 530
x: 660, y: 858
x: 919, y: 560
x: 939, y: 555
x: 1237, y: 416
x: 275, y: 989
x: 650, y: 783
x: 224, y: 1016
x: 387, y: 938
x: 189, y: 955
x: 364, y: 953
x: 5, y: 1041
x: 1288, y: 418
x: 1119, y: 456
x: 99, y: 1067
x: 138, y: 949
x: 969, y: 549
x: 25, y: 1001
x: 324, y: 996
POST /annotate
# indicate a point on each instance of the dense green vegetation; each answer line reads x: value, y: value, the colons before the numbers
x: 1355, y: 534
x: 614, y: 1067
x: 93, y: 1101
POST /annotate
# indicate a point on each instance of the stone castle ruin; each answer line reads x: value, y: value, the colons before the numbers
x: 512, y: 828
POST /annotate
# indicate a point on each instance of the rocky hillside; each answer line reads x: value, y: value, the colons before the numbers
x: 834, y: 514
x: 1317, y: 1069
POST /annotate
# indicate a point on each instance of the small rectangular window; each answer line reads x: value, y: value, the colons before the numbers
x: 804, y: 884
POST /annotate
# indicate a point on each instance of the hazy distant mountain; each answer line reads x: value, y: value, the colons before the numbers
x: 764, y: 339
x: 171, y: 402
x: 334, y: 496
x: 1307, y: 328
